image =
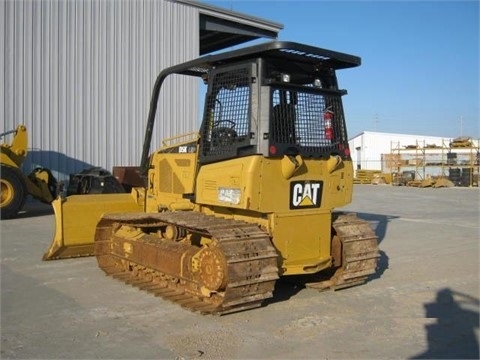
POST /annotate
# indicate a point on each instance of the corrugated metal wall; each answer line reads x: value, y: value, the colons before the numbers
x: 79, y: 75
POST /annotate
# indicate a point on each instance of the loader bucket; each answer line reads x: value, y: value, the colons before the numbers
x: 76, y: 218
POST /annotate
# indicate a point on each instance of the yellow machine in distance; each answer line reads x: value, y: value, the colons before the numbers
x: 15, y: 186
x: 226, y: 211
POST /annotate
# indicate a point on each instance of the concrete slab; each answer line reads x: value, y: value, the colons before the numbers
x: 423, y: 303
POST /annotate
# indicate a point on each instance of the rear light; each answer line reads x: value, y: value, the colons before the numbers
x: 328, y: 121
x: 273, y: 149
x: 345, y: 150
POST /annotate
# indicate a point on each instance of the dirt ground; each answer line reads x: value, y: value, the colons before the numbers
x: 422, y: 303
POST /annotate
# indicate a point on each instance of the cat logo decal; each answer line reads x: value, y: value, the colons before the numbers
x: 305, y: 194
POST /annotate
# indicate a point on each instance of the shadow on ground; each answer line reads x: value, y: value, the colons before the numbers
x: 32, y: 209
x: 453, y: 335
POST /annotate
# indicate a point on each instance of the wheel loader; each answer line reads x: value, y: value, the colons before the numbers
x: 224, y: 212
x: 15, y: 185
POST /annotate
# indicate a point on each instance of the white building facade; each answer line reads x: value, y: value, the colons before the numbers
x: 427, y: 156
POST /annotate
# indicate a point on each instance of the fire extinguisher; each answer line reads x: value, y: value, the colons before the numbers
x: 328, y: 120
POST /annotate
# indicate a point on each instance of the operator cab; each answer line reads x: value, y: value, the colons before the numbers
x: 275, y: 106
x: 275, y: 99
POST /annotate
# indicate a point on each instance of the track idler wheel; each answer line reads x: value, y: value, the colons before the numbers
x: 210, y: 265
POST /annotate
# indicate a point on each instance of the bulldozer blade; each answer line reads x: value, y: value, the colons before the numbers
x: 76, y: 218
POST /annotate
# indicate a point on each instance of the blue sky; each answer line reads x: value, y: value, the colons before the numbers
x: 420, y: 59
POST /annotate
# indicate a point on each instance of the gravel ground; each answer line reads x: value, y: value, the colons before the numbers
x: 423, y: 303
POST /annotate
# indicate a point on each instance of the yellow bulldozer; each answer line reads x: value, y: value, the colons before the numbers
x: 15, y: 185
x: 224, y: 212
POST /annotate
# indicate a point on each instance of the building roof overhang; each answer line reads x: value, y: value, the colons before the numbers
x: 220, y: 28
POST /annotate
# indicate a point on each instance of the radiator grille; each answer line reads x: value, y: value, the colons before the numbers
x: 165, y: 178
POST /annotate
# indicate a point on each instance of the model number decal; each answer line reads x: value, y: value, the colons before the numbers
x: 305, y: 194
x: 229, y: 195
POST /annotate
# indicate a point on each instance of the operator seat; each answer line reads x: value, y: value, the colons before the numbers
x: 283, y: 124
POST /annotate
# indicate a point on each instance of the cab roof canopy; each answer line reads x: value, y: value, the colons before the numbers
x: 280, y: 51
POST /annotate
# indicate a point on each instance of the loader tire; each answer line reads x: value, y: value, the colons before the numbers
x: 13, y: 192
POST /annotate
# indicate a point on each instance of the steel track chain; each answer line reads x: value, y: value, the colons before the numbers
x: 251, y: 261
x: 359, y: 253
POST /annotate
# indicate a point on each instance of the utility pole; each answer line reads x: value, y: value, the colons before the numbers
x: 461, y: 125
x: 375, y: 122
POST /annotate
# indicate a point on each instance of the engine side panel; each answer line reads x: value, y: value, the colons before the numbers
x: 262, y: 185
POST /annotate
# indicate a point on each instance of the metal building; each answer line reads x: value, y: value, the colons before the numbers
x: 79, y: 74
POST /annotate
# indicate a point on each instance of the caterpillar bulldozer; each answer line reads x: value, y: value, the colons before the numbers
x: 224, y: 212
x: 15, y: 185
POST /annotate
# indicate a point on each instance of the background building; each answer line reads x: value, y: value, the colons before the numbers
x: 79, y: 74
x: 427, y: 156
